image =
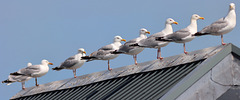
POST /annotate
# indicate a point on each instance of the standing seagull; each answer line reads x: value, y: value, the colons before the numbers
x: 126, y: 49
x: 19, y: 78
x: 73, y: 62
x: 183, y: 35
x: 150, y: 42
x: 105, y: 53
x: 221, y: 26
x: 34, y: 70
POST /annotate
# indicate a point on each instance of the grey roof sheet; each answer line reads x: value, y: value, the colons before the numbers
x: 168, y: 62
x: 154, y: 84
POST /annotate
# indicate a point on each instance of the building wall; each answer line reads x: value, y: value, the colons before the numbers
x: 216, y: 82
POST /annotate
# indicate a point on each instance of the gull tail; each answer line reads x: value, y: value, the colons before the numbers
x: 7, y: 81
x: 16, y: 73
x: 88, y: 58
x: 161, y: 39
x: 200, y: 34
x: 133, y: 45
x: 57, y: 68
x: 116, y: 52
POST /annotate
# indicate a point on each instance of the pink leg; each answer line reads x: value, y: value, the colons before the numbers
x: 222, y: 40
x: 159, y: 54
x: 74, y: 73
x: 109, y: 66
x: 36, y: 81
x: 23, y: 85
x: 135, y: 59
x: 185, y: 49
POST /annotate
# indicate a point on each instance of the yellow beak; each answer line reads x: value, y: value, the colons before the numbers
x: 50, y: 63
x: 84, y: 52
x: 175, y: 23
x: 123, y: 40
x: 201, y: 18
x: 148, y: 32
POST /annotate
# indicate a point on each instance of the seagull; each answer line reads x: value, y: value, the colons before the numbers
x: 105, y: 52
x: 183, y: 35
x: 150, y: 42
x: 73, y: 62
x: 19, y: 78
x: 126, y: 49
x: 34, y: 71
x: 221, y: 26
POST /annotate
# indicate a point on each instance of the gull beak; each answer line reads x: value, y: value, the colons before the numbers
x: 148, y: 32
x: 231, y: 6
x: 84, y: 52
x: 50, y: 63
x: 175, y: 23
x: 123, y: 40
x: 201, y: 18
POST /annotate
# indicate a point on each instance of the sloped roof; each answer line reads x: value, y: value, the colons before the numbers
x: 151, y: 79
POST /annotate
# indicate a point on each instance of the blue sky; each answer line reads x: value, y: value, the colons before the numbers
x: 54, y: 29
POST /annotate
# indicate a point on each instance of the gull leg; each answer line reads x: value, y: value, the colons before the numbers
x: 159, y: 54
x: 185, y: 48
x: 74, y: 73
x: 222, y: 40
x: 23, y: 85
x: 36, y: 81
x: 109, y: 66
x: 135, y: 59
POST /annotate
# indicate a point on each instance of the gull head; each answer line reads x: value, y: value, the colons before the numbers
x: 231, y: 6
x: 196, y: 17
x: 29, y: 64
x: 81, y: 50
x: 45, y: 62
x: 118, y: 39
x: 171, y: 21
x: 144, y: 31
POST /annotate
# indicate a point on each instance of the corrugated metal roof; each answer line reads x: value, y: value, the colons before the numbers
x: 145, y: 85
x: 159, y: 75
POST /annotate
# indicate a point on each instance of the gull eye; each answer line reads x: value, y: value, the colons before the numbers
x: 170, y: 20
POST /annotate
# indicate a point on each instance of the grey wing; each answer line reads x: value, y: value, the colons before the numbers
x: 215, y: 27
x: 107, y: 47
x: 18, y: 78
x: 30, y: 70
x: 98, y: 53
x: 69, y: 62
x: 178, y: 35
x: 149, y: 42
x: 158, y: 34
x: 133, y: 41
x: 126, y: 48
x: 102, y: 53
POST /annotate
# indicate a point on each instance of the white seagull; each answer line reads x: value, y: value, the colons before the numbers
x: 150, y: 42
x: 221, y: 26
x: 73, y: 62
x: 19, y: 78
x: 34, y: 71
x: 130, y: 50
x: 105, y: 53
x: 183, y: 35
